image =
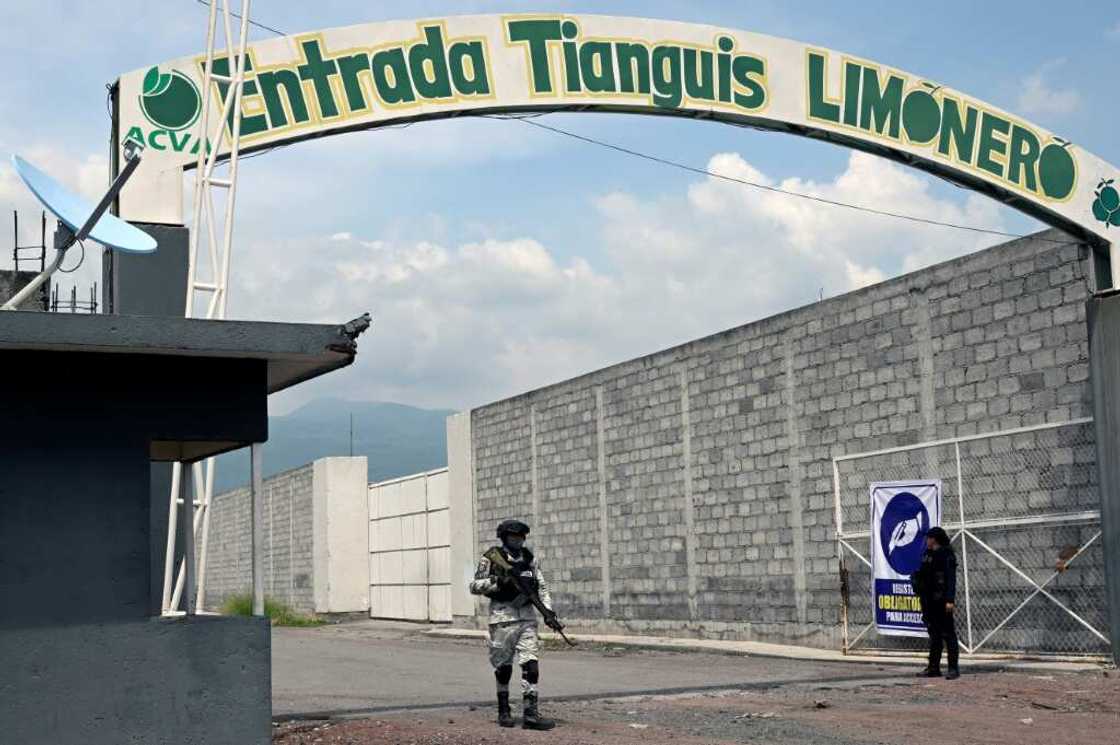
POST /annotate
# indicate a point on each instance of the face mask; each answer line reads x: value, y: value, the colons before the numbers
x: 514, y: 543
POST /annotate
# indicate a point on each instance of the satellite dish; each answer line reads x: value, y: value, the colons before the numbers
x: 79, y: 220
x: 73, y: 211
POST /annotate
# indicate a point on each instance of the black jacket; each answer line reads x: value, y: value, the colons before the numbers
x: 936, y: 579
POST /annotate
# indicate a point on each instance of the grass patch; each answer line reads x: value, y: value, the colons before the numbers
x: 280, y: 613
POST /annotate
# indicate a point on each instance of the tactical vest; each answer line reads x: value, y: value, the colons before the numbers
x: 524, y: 568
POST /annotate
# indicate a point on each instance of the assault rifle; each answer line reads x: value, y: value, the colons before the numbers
x: 501, y: 567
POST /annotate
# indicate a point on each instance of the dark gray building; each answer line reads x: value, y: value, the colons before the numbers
x: 90, y: 401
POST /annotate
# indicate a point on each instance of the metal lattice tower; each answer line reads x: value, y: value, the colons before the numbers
x: 208, y: 273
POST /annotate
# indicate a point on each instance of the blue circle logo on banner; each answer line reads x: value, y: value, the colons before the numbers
x: 902, y: 532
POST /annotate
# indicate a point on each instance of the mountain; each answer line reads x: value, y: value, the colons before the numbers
x: 398, y: 440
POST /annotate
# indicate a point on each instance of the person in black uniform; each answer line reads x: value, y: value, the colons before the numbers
x: 935, y: 584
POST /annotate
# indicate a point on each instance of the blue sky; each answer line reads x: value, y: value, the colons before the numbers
x: 498, y: 257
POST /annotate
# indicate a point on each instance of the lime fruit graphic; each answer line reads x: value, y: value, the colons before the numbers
x: 1106, y: 207
x: 921, y: 116
x: 1110, y: 199
x: 170, y: 100
x: 1056, y: 170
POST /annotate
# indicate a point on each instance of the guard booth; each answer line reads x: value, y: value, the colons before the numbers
x: 90, y: 402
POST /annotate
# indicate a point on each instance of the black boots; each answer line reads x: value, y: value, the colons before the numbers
x: 532, y: 718
x: 953, y: 673
x: 930, y: 672
x: 505, y: 716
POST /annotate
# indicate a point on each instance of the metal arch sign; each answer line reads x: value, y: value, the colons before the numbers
x: 357, y: 77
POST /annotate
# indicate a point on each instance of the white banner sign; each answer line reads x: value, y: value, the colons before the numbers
x: 376, y: 74
x: 902, y: 512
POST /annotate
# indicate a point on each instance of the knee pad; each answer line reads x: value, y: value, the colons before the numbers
x: 531, y: 671
x: 503, y: 674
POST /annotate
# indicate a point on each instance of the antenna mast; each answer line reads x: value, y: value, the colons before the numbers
x: 208, y: 269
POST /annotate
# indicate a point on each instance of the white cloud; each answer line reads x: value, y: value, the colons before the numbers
x: 1040, y: 96
x: 464, y: 324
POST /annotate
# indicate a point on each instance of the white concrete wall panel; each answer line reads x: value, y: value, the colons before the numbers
x: 439, y: 528
x: 438, y: 495
x: 439, y: 603
x: 439, y: 566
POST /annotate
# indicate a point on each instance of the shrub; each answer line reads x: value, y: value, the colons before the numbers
x: 281, y: 614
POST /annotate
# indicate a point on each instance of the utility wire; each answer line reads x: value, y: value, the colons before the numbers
x: 251, y: 21
x: 753, y: 184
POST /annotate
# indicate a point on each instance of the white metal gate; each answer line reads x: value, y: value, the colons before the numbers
x: 410, y: 548
x: 1023, y: 511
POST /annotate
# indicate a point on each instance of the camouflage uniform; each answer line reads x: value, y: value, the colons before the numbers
x: 513, y: 621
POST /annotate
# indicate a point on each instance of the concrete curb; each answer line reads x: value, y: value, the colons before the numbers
x: 809, y: 654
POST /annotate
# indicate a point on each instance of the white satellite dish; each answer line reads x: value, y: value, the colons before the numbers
x: 80, y: 219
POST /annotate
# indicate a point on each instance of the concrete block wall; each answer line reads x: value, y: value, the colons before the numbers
x: 690, y: 491
x: 314, y: 539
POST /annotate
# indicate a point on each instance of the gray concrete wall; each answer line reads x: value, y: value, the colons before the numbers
x: 12, y: 282
x: 325, y: 575
x: 691, y: 490
x: 158, y: 682
x: 288, y: 539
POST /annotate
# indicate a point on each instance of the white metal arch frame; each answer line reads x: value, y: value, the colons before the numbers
x: 381, y: 74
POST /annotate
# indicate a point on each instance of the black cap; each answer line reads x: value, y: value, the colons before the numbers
x: 512, y: 526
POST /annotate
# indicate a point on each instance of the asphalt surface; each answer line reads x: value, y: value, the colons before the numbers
x: 369, y: 668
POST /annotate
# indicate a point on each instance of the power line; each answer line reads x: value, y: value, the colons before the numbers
x: 753, y: 184
x: 251, y: 21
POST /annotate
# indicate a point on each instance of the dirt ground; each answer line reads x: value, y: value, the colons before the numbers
x: 978, y: 709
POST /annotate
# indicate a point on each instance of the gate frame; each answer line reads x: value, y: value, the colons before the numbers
x: 962, y: 530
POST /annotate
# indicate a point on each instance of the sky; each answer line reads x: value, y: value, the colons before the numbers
x: 496, y: 257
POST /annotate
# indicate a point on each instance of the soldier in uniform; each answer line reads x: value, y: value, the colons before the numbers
x: 513, y: 621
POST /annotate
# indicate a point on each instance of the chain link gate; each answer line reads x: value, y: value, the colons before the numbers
x: 1022, y: 509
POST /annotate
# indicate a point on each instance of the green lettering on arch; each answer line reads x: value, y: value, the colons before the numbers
x: 991, y: 126
x: 633, y: 63
x: 958, y: 138
x: 819, y: 108
x: 1022, y: 158
x: 596, y: 66
x: 477, y: 83
x: 536, y: 34
x: 270, y: 84
x: 699, y: 75
x: 880, y: 108
x: 390, y: 76
x: 351, y: 67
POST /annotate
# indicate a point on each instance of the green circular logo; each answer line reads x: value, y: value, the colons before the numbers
x: 170, y: 99
x: 1106, y: 207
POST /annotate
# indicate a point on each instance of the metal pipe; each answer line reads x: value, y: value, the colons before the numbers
x: 186, y: 486
x: 257, y: 487
x: 964, y: 547
x: 172, y: 528
x: 207, y: 498
x: 29, y: 289
x: 966, y: 438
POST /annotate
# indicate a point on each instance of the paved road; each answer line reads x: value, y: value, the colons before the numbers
x: 372, y: 667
